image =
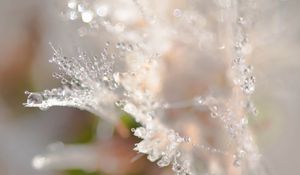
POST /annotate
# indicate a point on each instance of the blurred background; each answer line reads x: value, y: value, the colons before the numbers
x: 27, y: 27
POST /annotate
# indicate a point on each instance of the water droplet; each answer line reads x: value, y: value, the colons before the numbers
x: 248, y: 85
x: 241, y: 20
x: 43, y: 108
x: 130, y: 48
x: 214, y: 111
x: 244, y: 122
x: 153, y: 156
x: 39, y: 162
x: 237, y: 163
x: 164, y: 161
x: 102, y: 11
x: 187, y: 139
x: 118, y: 45
x: 140, y: 132
x: 199, y: 100
x: 177, y: 168
x: 72, y: 4
x: 237, y: 61
x: 120, y: 103
x: 247, y: 70
x: 64, y: 81
x: 87, y: 16
x: 81, y: 7
x: 177, y: 13
x: 34, y: 98
x: 73, y: 15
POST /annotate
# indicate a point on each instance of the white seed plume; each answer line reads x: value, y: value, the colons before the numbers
x: 180, y: 69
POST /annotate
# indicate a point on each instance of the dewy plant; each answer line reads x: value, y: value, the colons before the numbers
x: 180, y: 68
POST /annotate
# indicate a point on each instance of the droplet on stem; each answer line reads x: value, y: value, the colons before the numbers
x: 177, y: 13
x: 34, y: 98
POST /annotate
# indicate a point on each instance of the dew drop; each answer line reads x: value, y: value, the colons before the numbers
x: 140, y: 132
x: 120, y: 103
x: 249, y: 85
x: 164, y: 161
x: 244, y: 122
x: 43, y: 108
x: 81, y: 7
x: 72, y: 4
x: 177, y: 13
x: 73, y: 15
x: 237, y: 163
x: 87, y: 16
x: 177, y: 168
x: 118, y: 45
x: 153, y: 156
x: 198, y: 100
x: 102, y: 11
x: 34, y: 98
x: 39, y: 162
x: 129, y: 48
x: 241, y: 20
x: 187, y: 139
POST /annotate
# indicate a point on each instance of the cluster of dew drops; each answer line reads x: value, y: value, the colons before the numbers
x: 80, y: 73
